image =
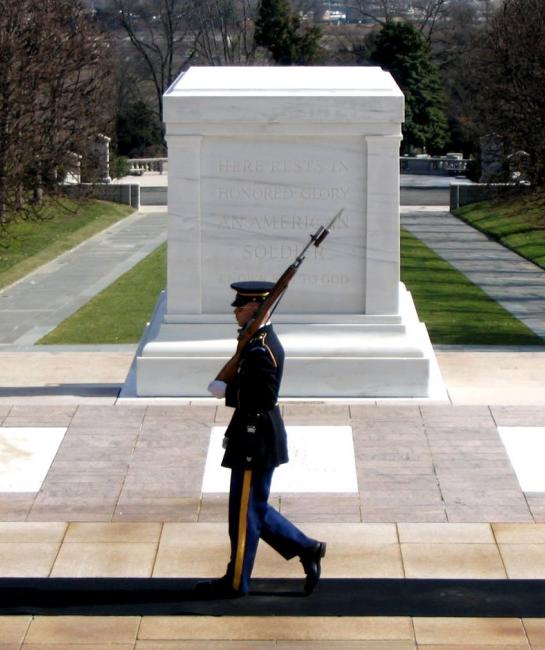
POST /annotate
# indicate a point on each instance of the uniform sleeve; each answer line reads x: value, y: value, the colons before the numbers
x: 258, y: 388
x: 231, y: 394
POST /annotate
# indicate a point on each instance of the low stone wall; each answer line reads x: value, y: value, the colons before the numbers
x: 424, y: 196
x: 153, y: 196
x: 127, y: 194
x: 461, y: 194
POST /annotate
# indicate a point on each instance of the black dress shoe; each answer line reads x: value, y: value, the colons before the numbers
x: 217, y: 588
x: 311, y: 564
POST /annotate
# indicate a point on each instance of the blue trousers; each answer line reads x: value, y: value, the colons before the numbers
x: 252, y: 518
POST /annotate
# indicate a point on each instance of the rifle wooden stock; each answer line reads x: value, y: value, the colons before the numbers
x: 227, y: 373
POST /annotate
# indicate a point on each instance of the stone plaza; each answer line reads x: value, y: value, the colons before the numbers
x: 436, y: 495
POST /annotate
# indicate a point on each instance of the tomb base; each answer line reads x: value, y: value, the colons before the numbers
x: 327, y: 356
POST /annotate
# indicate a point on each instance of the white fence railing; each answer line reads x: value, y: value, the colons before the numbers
x: 438, y: 165
x: 141, y: 165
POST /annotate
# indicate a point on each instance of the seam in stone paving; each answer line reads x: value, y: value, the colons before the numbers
x: 153, y: 564
x: 437, y: 481
x: 23, y: 640
x: 529, y: 507
x: 199, y: 508
x: 499, y: 551
x: 526, y: 634
x: 59, y: 549
x: 128, y: 467
x: 399, y: 549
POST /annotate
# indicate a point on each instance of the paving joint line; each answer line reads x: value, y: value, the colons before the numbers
x: 59, y: 549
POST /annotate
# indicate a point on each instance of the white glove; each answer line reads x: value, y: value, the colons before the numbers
x: 217, y: 388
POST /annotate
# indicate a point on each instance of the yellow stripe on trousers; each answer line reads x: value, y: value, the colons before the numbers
x: 242, y: 526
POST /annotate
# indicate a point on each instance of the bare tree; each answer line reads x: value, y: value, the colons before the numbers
x: 487, y: 8
x: 51, y: 96
x: 224, y: 31
x: 161, y: 32
x: 453, y: 35
x: 424, y: 14
x: 379, y: 11
x: 429, y: 14
x: 507, y: 74
x: 158, y: 39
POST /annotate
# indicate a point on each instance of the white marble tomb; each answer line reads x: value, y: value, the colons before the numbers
x: 259, y: 158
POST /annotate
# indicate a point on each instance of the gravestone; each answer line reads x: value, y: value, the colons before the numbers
x: 259, y: 158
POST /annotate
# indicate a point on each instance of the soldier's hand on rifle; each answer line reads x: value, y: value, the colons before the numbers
x: 217, y: 388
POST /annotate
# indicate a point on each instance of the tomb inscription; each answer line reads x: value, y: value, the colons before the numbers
x: 259, y: 203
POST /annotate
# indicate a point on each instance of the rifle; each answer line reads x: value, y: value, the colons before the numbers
x: 266, y: 309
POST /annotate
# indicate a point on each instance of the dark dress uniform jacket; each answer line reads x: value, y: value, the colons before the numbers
x: 256, y: 437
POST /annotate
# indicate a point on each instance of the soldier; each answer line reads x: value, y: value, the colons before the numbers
x: 255, y: 443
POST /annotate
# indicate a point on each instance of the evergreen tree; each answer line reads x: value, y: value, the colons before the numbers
x: 280, y: 31
x: 137, y: 129
x: 402, y: 50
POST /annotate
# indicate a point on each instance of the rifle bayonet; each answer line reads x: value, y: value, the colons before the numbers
x: 318, y: 237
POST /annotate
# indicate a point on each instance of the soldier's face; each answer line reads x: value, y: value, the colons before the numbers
x: 245, y: 313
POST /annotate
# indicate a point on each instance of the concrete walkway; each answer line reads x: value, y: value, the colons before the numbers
x: 515, y: 283
x: 35, y: 305
x: 410, y: 463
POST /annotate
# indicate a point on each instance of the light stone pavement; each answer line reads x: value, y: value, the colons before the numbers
x: 427, y: 463
x: 36, y: 304
x: 90, y: 374
x: 515, y: 283
x: 437, y: 498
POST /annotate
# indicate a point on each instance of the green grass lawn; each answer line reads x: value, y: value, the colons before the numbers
x: 119, y: 313
x: 26, y: 245
x: 454, y: 309
x: 517, y: 223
